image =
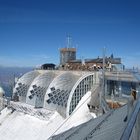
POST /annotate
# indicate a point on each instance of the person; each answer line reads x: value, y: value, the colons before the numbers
x: 134, y: 94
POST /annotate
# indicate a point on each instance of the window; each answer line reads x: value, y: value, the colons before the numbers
x: 31, y: 91
x: 80, y: 91
x: 52, y: 88
x: 19, y: 84
x: 50, y: 95
x: 34, y: 86
x: 30, y: 97
x: 17, y: 88
x: 49, y: 101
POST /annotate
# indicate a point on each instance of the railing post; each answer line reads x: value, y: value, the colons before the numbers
x: 132, y: 121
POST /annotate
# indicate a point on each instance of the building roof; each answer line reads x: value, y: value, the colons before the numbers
x: 58, y: 91
x: 68, y: 49
x: 49, y: 89
x: 24, y: 82
x: 121, y: 76
x: 98, y: 60
x: 106, y: 127
x: 75, y: 61
x: 39, y: 86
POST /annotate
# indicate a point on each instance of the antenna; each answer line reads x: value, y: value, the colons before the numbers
x: 83, y: 61
x: 68, y: 45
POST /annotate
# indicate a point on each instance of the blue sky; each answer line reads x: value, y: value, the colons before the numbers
x: 32, y: 31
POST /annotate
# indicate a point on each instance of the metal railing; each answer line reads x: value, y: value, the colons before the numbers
x: 132, y: 122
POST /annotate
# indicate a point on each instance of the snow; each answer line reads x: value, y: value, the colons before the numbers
x: 40, y: 113
x: 18, y: 125
x: 80, y: 115
x: 4, y: 113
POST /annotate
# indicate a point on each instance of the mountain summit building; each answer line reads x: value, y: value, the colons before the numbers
x: 66, y: 55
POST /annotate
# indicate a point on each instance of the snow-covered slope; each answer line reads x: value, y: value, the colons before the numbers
x: 20, y: 126
x: 17, y: 125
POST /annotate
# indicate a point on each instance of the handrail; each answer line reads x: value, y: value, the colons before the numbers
x: 128, y: 130
x: 105, y: 106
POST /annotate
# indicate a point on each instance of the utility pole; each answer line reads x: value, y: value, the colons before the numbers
x: 104, y: 51
x: 102, y: 93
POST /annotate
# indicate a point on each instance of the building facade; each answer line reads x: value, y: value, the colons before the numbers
x: 67, y: 54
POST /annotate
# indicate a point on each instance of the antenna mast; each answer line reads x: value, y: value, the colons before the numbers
x: 68, y: 42
x: 104, y: 50
x: 102, y: 93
